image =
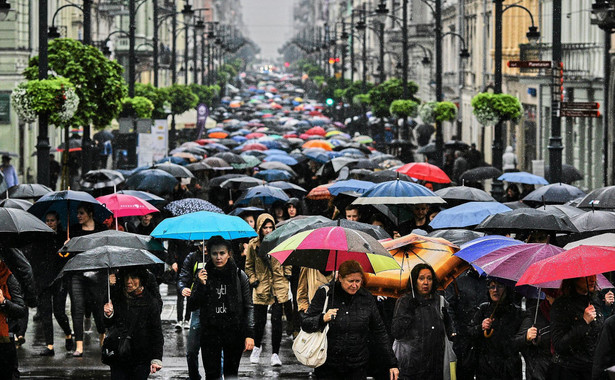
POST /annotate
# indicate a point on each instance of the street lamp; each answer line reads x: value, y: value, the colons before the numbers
x: 187, y: 12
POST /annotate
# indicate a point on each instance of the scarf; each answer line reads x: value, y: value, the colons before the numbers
x: 5, y: 273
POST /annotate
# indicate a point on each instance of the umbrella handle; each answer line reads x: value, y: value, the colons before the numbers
x: 488, y: 333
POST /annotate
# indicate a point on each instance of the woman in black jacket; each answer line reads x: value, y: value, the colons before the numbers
x: 420, y: 325
x: 576, y: 322
x: 224, y: 296
x: 135, y: 310
x: 353, y: 318
x: 494, y: 330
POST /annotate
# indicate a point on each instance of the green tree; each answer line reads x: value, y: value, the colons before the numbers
x: 181, y: 98
x: 158, y: 96
x: 355, y: 88
x: 139, y: 107
x: 404, y: 108
x: 204, y: 93
x: 98, y: 81
x: 385, y: 93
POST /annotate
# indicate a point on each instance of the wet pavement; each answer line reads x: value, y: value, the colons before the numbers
x: 63, y: 366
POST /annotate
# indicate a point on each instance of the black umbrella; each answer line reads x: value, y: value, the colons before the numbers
x: 198, y: 166
x: 569, y: 174
x: 29, y: 191
x: 456, y: 145
x: 242, y: 183
x: 602, y: 198
x: 217, y: 181
x: 21, y: 204
x: 516, y: 204
x: 526, y: 219
x: 229, y: 157
x: 190, y: 205
x: 148, y: 197
x: 290, y: 188
x: 275, y: 165
x: 562, y: 210
x: 594, y: 221
x: 427, y: 149
x: 457, y: 237
x: 154, y: 181
x: 102, y: 136
x: 3, y: 185
x: 374, y: 231
x: 19, y: 226
x: 365, y: 164
x: 456, y: 195
x: 217, y: 163
x: 175, y: 170
x: 381, y: 158
x: 66, y: 203
x: 555, y: 193
x: 479, y: 174
x: 112, y: 238
x: 99, y: 179
x: 387, y: 175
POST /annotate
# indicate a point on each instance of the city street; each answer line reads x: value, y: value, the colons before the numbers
x: 62, y: 366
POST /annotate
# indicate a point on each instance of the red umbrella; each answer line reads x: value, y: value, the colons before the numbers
x: 316, y: 131
x: 304, y: 136
x: 126, y: 205
x: 254, y: 146
x: 425, y: 172
x: 581, y: 261
x: 254, y: 135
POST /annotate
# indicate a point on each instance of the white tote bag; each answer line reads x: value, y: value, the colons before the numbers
x: 311, y: 348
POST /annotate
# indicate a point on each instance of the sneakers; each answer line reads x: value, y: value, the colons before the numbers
x: 275, y: 361
x: 186, y: 325
x: 255, y: 355
x: 179, y: 325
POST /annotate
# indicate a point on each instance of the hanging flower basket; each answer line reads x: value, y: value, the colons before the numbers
x: 55, y: 97
x: 490, y: 109
x: 404, y: 108
x: 431, y: 112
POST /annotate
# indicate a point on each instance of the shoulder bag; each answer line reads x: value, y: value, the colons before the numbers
x: 311, y: 348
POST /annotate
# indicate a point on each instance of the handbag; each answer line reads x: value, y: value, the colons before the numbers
x: 311, y: 348
x: 450, y: 359
x: 117, y: 346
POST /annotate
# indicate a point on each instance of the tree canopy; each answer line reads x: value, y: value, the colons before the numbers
x: 385, y: 93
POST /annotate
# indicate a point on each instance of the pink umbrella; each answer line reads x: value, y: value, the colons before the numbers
x: 126, y: 205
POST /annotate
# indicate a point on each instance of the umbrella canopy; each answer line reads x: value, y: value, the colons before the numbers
x: 467, y: 214
x: 320, y: 192
x: 602, y: 198
x: 107, y: 257
x: 555, y: 193
x: 274, y: 165
x: 456, y: 195
x: 239, y: 211
x: 425, y: 172
x: 350, y: 185
x: 28, y: 191
x: 523, y: 177
x: 65, y: 203
x: 98, y: 179
x: 290, y: 227
x: 477, y: 248
x: 399, y: 193
x: 203, y: 225
x: 456, y: 236
x: 581, y: 261
x: 217, y: 163
x: 148, y: 197
x: 253, y: 146
x: 562, y: 210
x: 326, y: 248
x: 386, y: 175
x: 112, y: 238
x: 410, y: 250
x: 154, y: 181
x: 317, y: 155
x: 190, y: 205
x: 241, y: 183
x: 175, y: 170
x: 289, y: 188
x: 126, y: 205
x: 274, y: 175
x: 606, y: 240
x: 249, y: 162
x: 318, y: 144
x: 262, y: 195
x: 198, y: 166
x: 230, y: 158
x: 19, y: 226
x: 283, y: 158
x: 569, y: 173
x: 526, y: 219
x: 480, y: 174
x: 21, y: 204
x: 594, y: 221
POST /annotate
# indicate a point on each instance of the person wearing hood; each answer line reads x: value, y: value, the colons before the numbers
x: 12, y: 307
x: 293, y: 207
x: 509, y: 160
x: 494, y: 329
x: 420, y: 325
x: 270, y: 282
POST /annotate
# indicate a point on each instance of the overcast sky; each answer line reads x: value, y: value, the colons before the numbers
x: 268, y: 23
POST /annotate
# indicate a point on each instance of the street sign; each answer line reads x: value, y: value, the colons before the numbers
x: 580, y: 113
x: 580, y: 106
x: 530, y: 64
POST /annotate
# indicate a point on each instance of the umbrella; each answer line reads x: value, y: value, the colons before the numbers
x: 339, y: 162
x: 274, y: 175
x: 74, y: 145
x: 175, y: 170
x: 516, y: 204
x: 241, y: 183
x: 391, y: 164
x: 114, y: 238
x: 262, y: 195
x: 326, y: 248
x: 319, y: 192
x: 290, y: 227
x: 526, y: 219
x: 154, y: 181
x: 601, y: 198
x: 581, y: 261
x: 203, y: 225
x: 243, y: 210
x: 283, y: 158
x: 19, y: 226
x: 456, y: 195
x: 606, y: 240
x: 479, y: 174
x: 126, y: 205
x: 198, y: 166
x: 523, y: 177
x: 102, y: 136
x: 386, y: 175
x: 148, y: 197
x: 594, y: 221
x: 480, y: 247
x: 253, y: 146
x: 456, y: 236
x: 190, y: 205
x: 274, y: 165
x: 217, y: 163
x: 467, y: 214
x: 98, y: 179
x: 398, y: 193
x: 21, y: 204
x: 410, y: 250
x: 562, y: 210
x: 365, y: 163
x: 217, y: 181
x: 424, y: 171
x: 249, y: 162
x: 350, y: 185
x: 555, y: 193
x: 290, y: 188
x: 429, y: 148
x: 29, y: 191
x: 65, y: 203
x: 230, y: 158
x: 318, y: 144
x: 317, y: 155
x: 569, y: 173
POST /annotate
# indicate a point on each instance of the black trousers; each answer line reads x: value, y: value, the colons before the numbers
x: 136, y: 372
x: 87, y: 290
x: 332, y: 372
x: 52, y: 300
x: 260, y: 320
x: 8, y: 362
x: 213, y: 343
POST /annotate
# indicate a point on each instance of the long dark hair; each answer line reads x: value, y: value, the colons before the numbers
x: 414, y: 276
x: 569, y: 286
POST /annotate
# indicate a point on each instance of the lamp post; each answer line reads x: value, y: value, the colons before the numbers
x: 362, y: 28
x: 439, y: 95
x: 381, y: 16
x: 555, y: 141
x: 42, y: 140
x: 187, y: 12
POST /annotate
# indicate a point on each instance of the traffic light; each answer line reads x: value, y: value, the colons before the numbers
x: 329, y: 102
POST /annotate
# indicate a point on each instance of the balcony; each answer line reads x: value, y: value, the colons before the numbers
x: 582, y: 61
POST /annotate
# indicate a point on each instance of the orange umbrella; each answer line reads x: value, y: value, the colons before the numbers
x: 218, y: 135
x: 318, y: 144
x: 410, y: 250
x: 320, y: 192
x: 188, y: 156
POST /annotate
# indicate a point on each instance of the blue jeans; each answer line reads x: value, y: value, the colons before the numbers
x: 194, y: 345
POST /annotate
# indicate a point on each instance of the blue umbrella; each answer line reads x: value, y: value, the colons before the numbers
x: 65, y: 203
x: 352, y: 152
x: 242, y: 210
x: 154, y: 181
x: 271, y: 144
x: 190, y: 205
x: 203, y: 225
x: 478, y: 248
x: 262, y: 195
x: 467, y: 214
x: 274, y: 175
x: 216, y: 146
x: 173, y: 160
x: 275, y: 152
x: 319, y: 156
x: 285, y: 159
x: 398, y: 193
x: 523, y: 177
x: 350, y: 185
x: 239, y: 139
x: 556, y: 193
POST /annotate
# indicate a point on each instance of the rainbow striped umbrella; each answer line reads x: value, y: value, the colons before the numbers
x: 326, y: 248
